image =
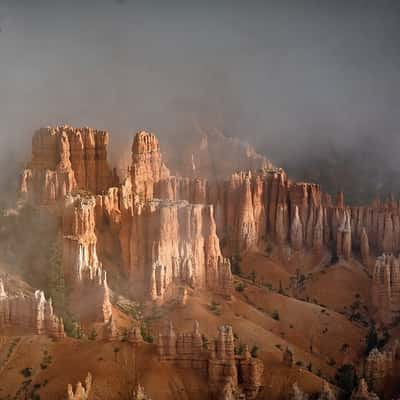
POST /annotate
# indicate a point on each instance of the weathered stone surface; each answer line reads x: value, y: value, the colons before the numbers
x: 32, y: 314
x: 364, y: 248
x: 80, y: 261
x: 147, y: 166
x: 327, y: 392
x: 82, y: 392
x: 380, y: 367
x: 184, y: 248
x: 135, y: 337
x: 386, y: 288
x: 362, y: 392
x: 64, y: 160
x: 296, y: 393
x: 139, y: 393
x: 218, y: 362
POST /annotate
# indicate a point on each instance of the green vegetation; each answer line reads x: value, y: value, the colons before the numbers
x: 346, y: 378
x: 275, y: 315
x: 254, y: 351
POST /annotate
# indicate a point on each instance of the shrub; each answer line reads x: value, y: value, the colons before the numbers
x: 275, y: 315
x: 346, y: 378
x: 26, y: 372
x: 254, y: 351
x: 240, y: 287
x: 92, y: 334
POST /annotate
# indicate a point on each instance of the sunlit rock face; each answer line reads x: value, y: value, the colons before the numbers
x: 147, y: 166
x: 82, y: 391
x: 176, y: 242
x: 64, y: 160
x: 31, y: 314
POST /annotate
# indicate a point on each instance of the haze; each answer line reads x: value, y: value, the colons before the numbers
x: 288, y: 77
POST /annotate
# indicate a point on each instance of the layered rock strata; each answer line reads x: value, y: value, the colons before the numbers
x: 386, y: 288
x: 176, y: 242
x: 80, y: 261
x: 34, y: 314
x: 64, y: 160
x: 381, y: 367
x: 217, y: 360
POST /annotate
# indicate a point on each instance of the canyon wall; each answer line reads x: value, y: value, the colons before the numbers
x: 31, y: 314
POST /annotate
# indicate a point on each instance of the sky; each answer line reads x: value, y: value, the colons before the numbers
x: 287, y: 76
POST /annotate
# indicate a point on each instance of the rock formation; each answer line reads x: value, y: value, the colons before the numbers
x: 327, y: 392
x: 110, y: 331
x: 223, y: 368
x: 32, y: 314
x: 381, y: 367
x: 139, y: 393
x: 343, y: 241
x: 296, y: 393
x: 135, y: 337
x: 82, y: 392
x: 386, y: 288
x: 364, y: 248
x: 176, y: 242
x: 147, y: 166
x: 362, y: 392
x: 80, y: 261
x: 64, y: 160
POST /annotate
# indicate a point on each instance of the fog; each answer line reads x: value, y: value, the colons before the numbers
x: 302, y: 81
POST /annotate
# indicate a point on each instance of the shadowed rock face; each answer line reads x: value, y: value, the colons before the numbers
x: 386, y: 288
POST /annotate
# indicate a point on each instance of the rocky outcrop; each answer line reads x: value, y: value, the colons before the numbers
x: 362, y: 392
x: 327, y: 393
x: 176, y: 242
x: 147, y: 166
x: 295, y: 393
x: 110, y: 332
x: 64, y: 160
x: 82, y: 392
x: 139, y: 393
x: 135, y: 337
x: 217, y: 359
x: 31, y: 314
x: 343, y: 241
x: 80, y: 261
x: 381, y: 367
x: 364, y: 248
x: 386, y: 288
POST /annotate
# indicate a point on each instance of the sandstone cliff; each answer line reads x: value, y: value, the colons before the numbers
x: 64, y: 160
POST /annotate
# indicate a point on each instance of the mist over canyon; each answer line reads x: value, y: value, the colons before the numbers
x: 309, y: 84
